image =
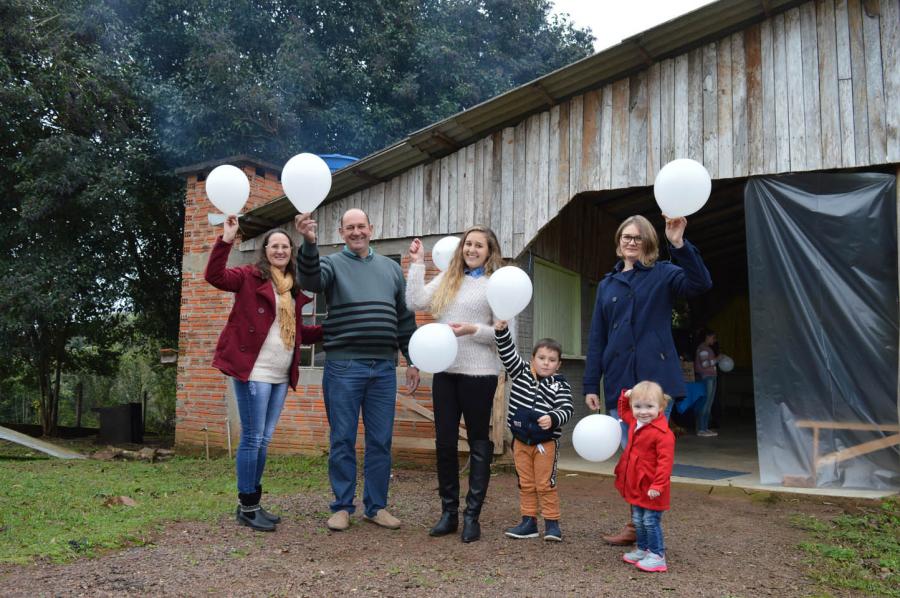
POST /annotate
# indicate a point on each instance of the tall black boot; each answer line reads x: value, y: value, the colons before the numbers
x: 248, y: 513
x: 448, y: 489
x: 270, y: 516
x: 481, y: 452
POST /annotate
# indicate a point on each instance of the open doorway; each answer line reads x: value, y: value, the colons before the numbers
x: 719, y: 233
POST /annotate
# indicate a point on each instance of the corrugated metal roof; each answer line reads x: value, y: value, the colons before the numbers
x: 444, y: 137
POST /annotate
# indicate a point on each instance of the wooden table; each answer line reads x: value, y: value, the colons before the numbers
x: 853, y: 451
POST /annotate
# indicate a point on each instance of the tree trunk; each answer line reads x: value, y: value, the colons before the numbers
x: 79, y: 402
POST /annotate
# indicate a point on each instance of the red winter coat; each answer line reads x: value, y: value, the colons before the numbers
x: 647, y: 461
x: 251, y: 317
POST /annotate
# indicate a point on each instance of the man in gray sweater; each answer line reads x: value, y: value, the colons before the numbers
x: 367, y: 322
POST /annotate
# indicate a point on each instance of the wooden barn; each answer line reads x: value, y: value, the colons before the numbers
x: 751, y: 89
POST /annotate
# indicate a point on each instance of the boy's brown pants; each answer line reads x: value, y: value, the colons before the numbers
x: 537, y: 479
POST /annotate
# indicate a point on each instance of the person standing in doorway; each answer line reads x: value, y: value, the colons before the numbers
x: 458, y: 297
x: 367, y: 322
x: 705, y: 361
x: 631, y: 329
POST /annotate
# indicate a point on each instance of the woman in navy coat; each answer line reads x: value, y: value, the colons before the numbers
x: 260, y: 350
x: 631, y: 329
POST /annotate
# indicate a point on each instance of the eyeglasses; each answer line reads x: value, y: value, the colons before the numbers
x: 629, y: 239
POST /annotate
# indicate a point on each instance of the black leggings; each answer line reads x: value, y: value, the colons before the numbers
x: 470, y: 396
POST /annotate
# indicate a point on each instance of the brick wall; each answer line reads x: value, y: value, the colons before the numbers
x: 202, y: 390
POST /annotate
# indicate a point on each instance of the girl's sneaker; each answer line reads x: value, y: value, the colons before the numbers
x: 527, y: 529
x: 652, y: 563
x: 634, y: 556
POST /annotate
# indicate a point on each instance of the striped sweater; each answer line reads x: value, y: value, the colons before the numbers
x: 367, y: 314
x: 551, y: 395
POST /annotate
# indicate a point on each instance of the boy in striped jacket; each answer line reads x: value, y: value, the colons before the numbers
x: 540, y: 402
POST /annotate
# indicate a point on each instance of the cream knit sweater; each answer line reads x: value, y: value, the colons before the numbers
x: 274, y: 361
x: 477, y: 354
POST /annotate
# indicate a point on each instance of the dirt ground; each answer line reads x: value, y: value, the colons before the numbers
x: 719, y: 543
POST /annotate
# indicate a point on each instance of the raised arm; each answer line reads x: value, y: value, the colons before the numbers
x: 513, y: 363
x: 216, y: 274
x: 624, y: 407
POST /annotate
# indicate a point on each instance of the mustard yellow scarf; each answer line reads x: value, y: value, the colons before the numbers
x: 285, y: 305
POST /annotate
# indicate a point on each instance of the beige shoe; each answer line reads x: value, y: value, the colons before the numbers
x: 384, y: 519
x: 339, y: 521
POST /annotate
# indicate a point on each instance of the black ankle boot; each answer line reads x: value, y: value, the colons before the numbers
x: 447, y: 524
x: 448, y: 489
x: 481, y: 453
x: 248, y: 513
x: 266, y: 515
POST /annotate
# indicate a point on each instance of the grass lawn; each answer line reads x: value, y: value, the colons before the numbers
x: 61, y: 509
x: 858, y: 551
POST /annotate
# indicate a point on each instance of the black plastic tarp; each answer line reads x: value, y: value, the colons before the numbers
x: 822, y: 257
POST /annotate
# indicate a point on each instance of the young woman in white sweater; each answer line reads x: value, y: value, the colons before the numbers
x: 458, y: 297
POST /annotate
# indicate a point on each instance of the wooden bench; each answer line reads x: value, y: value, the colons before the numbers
x: 853, y: 451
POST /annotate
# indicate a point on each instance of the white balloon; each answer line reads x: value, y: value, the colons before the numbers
x: 433, y: 347
x: 227, y: 188
x: 443, y: 252
x: 306, y: 180
x: 726, y: 364
x: 682, y: 187
x: 508, y: 292
x: 597, y: 437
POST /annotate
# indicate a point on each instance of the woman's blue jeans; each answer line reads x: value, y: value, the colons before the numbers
x: 706, y: 408
x: 259, y: 405
x: 648, y: 528
x: 351, y: 386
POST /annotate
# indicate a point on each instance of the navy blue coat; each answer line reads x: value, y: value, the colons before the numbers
x: 631, y: 329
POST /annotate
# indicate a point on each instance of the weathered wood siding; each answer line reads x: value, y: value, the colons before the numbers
x: 812, y: 88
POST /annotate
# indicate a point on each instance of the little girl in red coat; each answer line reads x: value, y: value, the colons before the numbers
x: 643, y: 472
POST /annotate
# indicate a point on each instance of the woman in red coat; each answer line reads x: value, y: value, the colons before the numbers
x: 644, y: 470
x: 260, y: 349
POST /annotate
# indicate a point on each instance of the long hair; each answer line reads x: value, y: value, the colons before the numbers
x: 649, y: 241
x: 265, y: 268
x: 456, y: 271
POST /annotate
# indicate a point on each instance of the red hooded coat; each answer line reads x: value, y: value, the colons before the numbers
x: 647, y: 461
x: 251, y: 317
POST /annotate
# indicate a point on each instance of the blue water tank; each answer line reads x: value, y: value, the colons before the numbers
x: 337, y: 161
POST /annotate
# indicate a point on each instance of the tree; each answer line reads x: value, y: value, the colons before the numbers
x: 274, y: 77
x: 76, y: 164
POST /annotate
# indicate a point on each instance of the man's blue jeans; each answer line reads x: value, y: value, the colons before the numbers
x: 648, y: 528
x: 351, y: 385
x: 259, y: 405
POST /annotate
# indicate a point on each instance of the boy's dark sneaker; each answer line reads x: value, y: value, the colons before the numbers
x: 527, y: 529
x: 552, y: 533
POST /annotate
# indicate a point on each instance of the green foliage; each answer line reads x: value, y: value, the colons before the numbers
x: 66, y: 516
x: 859, y: 551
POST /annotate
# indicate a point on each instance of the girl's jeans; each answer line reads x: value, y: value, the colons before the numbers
x: 706, y: 408
x: 648, y: 529
x: 259, y: 405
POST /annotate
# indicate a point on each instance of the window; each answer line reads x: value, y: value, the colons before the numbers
x: 557, y: 305
x: 313, y: 313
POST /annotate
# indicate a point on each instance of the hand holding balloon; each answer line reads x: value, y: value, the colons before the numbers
x: 675, y: 230
x: 592, y: 401
x: 231, y: 228
x: 306, y: 226
x: 463, y: 329
x: 500, y: 325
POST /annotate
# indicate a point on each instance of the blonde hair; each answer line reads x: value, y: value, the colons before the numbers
x: 649, y: 241
x: 650, y: 390
x: 456, y: 271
